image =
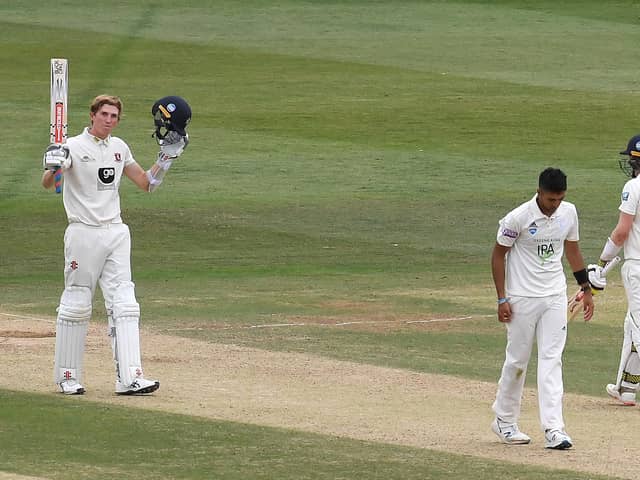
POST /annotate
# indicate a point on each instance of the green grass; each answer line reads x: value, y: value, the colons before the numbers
x: 348, y: 160
x: 69, y: 439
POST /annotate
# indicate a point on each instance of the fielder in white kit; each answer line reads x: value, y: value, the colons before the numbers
x: 532, y: 302
x: 627, y: 234
x: 97, y: 244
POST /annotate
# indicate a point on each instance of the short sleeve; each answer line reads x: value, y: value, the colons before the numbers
x: 573, y: 234
x: 508, y: 231
x: 630, y: 198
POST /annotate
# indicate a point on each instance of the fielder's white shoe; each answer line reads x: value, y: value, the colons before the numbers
x: 71, y: 387
x: 557, y: 439
x: 139, y: 386
x: 626, y: 398
x: 509, y: 433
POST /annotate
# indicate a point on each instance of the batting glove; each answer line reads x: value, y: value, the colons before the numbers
x: 173, y: 144
x: 596, y: 279
x: 56, y: 156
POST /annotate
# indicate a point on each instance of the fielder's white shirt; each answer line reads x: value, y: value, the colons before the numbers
x: 91, y: 184
x: 630, y: 203
x: 534, y: 261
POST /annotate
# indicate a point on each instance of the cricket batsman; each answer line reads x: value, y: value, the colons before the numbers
x: 97, y: 244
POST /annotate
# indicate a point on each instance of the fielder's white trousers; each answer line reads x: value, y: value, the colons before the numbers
x: 97, y: 255
x: 542, y: 319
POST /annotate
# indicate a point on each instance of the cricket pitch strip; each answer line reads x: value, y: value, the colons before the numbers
x: 315, y: 394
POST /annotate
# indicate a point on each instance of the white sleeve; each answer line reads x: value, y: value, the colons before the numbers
x: 508, y: 231
x: 573, y: 235
x: 630, y: 198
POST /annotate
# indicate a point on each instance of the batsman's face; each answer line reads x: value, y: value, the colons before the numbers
x: 549, y: 201
x: 104, y: 121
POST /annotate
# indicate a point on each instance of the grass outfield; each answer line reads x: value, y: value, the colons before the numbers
x: 81, y: 441
x: 349, y: 162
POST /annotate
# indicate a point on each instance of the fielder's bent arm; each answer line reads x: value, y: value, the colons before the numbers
x: 576, y: 261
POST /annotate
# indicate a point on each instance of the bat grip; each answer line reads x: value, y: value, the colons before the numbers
x: 609, y: 266
x: 57, y: 179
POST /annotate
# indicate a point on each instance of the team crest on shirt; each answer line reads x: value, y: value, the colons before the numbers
x: 533, y: 228
x: 117, y: 157
x: 625, y: 196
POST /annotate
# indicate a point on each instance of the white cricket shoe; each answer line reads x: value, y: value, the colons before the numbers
x: 71, y: 387
x: 557, y: 439
x: 626, y: 398
x: 139, y: 386
x: 509, y: 433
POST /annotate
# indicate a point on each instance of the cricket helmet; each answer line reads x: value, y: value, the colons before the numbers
x: 631, y: 165
x: 170, y: 113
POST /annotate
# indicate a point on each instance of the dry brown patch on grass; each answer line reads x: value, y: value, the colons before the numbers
x: 26, y: 334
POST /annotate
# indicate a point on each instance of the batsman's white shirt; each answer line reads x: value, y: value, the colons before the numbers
x: 91, y: 184
x: 630, y: 203
x: 534, y: 261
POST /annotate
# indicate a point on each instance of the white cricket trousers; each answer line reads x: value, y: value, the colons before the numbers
x: 545, y: 320
x: 631, y: 278
x: 97, y: 254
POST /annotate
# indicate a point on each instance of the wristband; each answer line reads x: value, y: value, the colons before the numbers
x: 503, y: 300
x: 581, y: 276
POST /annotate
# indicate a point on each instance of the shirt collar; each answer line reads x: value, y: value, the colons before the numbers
x: 535, y: 209
x: 96, y: 140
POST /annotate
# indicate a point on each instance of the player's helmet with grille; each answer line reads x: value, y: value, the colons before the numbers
x: 631, y: 165
x: 170, y: 113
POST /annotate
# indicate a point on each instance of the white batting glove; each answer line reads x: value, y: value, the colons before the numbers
x: 56, y: 156
x: 596, y: 279
x: 164, y: 161
x: 173, y: 144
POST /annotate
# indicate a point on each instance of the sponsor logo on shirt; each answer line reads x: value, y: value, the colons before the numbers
x: 106, y: 178
x: 507, y: 232
x: 117, y: 156
x: 545, y: 252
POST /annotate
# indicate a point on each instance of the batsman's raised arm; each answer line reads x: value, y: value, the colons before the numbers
x: 54, y: 158
x: 171, y: 116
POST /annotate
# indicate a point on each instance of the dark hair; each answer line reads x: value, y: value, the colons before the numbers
x: 552, y: 180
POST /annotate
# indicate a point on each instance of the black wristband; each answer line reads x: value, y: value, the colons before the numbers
x: 582, y: 276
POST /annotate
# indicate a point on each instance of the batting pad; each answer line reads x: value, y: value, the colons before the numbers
x: 74, y: 313
x: 126, y: 318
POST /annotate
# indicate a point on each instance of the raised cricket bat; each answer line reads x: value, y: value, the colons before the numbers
x: 59, y: 94
x: 575, y: 302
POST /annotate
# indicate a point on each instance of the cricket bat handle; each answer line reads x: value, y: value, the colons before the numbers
x: 57, y: 178
x: 607, y: 268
